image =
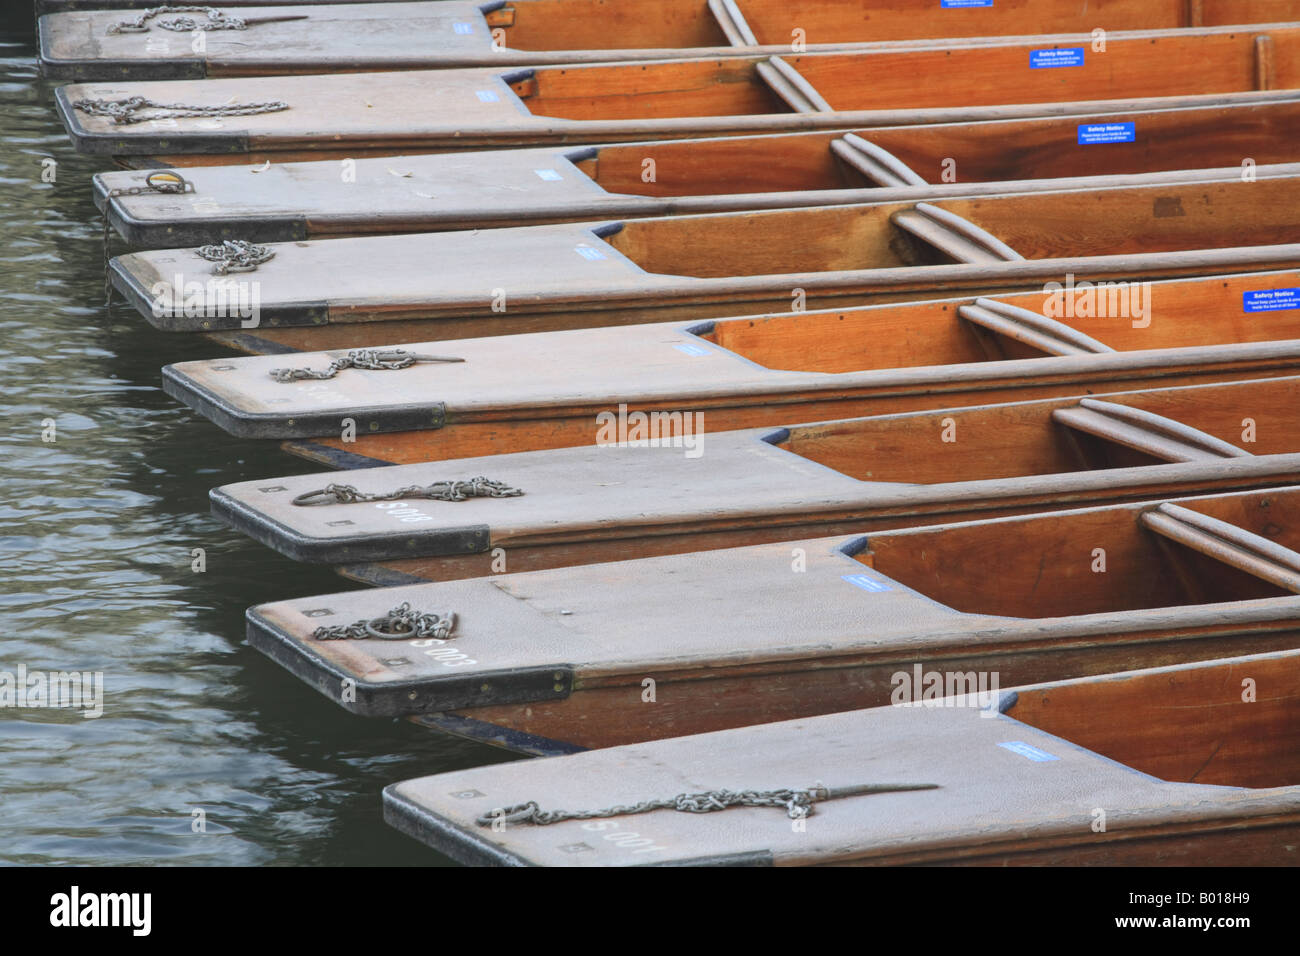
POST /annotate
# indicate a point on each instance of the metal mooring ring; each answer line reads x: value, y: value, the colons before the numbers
x: 318, y: 497
x: 388, y: 635
x: 167, y: 181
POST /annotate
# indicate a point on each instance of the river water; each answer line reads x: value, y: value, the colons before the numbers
x: 96, y: 534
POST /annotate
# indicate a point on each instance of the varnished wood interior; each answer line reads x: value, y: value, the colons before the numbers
x: 953, y: 76
x: 1202, y: 313
x: 1234, y: 724
x: 1040, y: 148
x: 1064, y: 224
x: 831, y: 238
x: 1002, y: 441
x: 1049, y: 148
x: 622, y: 24
x: 1046, y: 566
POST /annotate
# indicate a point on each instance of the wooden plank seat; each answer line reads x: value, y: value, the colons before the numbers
x: 790, y: 85
x: 1227, y: 543
x: 877, y: 164
x: 732, y: 23
x: 1144, y: 431
x: 954, y: 235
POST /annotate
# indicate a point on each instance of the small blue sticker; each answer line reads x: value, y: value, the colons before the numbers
x: 690, y: 348
x: 953, y: 4
x: 1107, y: 133
x: 462, y: 28
x: 487, y: 96
x: 1270, y: 300
x: 1025, y: 750
x: 1069, y: 56
x: 550, y: 175
x: 866, y: 583
x: 589, y: 253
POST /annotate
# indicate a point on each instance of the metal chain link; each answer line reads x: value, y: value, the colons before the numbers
x: 797, y: 803
x: 235, y: 255
x: 128, y: 109
x: 479, y: 487
x: 372, y: 360
x: 159, y: 181
x: 217, y: 20
x: 397, y: 625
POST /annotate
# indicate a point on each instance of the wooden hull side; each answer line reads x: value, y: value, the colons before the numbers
x: 690, y: 628
x: 504, y: 188
x: 374, y: 36
x: 997, y: 791
x: 671, y: 99
x: 576, y: 275
x: 607, y: 714
x: 642, y: 369
x: 567, y: 554
x: 495, y: 438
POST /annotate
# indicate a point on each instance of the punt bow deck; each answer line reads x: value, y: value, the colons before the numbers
x: 548, y: 661
x: 641, y: 496
x: 342, y: 37
x: 432, y: 193
x: 289, y: 118
x: 529, y: 392
x: 345, y: 293
x: 1173, y: 766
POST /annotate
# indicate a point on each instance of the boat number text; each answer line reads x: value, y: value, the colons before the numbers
x: 625, y: 839
x: 403, y: 512
x: 446, y: 656
x: 319, y: 391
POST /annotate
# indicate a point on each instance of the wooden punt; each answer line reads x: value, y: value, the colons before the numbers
x: 432, y: 193
x: 751, y: 372
x: 549, y: 661
x: 1172, y: 766
x: 341, y: 37
x: 337, y: 293
x: 355, y: 114
x: 692, y: 492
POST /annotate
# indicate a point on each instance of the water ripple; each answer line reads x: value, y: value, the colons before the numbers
x: 96, y: 531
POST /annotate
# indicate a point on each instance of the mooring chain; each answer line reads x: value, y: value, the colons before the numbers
x: 797, y: 803
x: 130, y: 109
x: 235, y: 255
x: 371, y: 360
x: 217, y: 20
x: 397, y: 625
x: 161, y: 181
x: 479, y: 487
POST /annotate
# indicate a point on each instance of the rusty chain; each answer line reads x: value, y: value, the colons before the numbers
x: 373, y: 360
x: 397, y: 625
x: 129, y: 109
x: 479, y: 487
x: 217, y: 20
x: 164, y: 181
x: 797, y: 803
x: 235, y: 255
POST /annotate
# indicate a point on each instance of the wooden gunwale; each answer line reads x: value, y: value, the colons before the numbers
x: 705, y: 266
x: 762, y: 680
x: 724, y: 370
x: 370, y: 36
x: 989, y: 808
x: 709, y: 97
x: 766, y: 485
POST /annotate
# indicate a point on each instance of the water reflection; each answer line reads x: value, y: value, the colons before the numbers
x: 96, y: 531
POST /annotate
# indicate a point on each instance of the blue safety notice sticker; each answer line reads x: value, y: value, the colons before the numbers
x: 1067, y: 56
x: 1027, y: 750
x: 866, y: 583
x: 1270, y: 300
x: 1107, y: 133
